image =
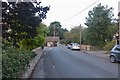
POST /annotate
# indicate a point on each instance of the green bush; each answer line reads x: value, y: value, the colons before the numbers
x: 14, y: 61
x: 28, y: 44
x: 109, y: 45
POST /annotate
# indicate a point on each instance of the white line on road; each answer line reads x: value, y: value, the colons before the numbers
x: 44, y: 53
x: 53, y: 66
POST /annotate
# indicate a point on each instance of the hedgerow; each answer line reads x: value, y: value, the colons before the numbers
x: 14, y: 61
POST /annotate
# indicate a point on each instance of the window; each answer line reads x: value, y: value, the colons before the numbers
x: 117, y: 48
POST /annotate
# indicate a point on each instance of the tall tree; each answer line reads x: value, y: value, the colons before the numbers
x: 38, y: 41
x: 59, y: 31
x: 42, y: 31
x: 74, y: 35
x: 98, y: 21
x: 20, y: 19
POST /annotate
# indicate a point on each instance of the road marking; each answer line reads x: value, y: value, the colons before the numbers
x: 53, y: 66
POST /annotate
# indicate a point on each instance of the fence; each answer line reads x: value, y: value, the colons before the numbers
x: 86, y: 47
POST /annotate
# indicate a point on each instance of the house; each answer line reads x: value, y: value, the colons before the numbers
x: 52, y: 41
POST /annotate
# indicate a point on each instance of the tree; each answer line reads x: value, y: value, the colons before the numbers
x: 112, y: 30
x: 37, y: 41
x: 20, y: 20
x: 59, y: 31
x: 42, y: 31
x: 74, y: 35
x: 98, y: 21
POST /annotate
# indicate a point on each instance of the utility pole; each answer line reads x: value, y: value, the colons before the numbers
x: 119, y: 26
x: 80, y: 35
x: 119, y: 29
x: 119, y: 20
x: 54, y: 35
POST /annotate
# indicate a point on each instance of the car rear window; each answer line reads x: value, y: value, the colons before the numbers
x: 117, y: 48
x: 76, y: 44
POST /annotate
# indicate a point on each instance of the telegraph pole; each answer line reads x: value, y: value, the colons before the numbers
x: 80, y: 35
x: 54, y: 35
x: 119, y: 26
x: 119, y: 20
x: 119, y: 29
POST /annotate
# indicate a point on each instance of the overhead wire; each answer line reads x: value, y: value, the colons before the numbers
x: 80, y: 11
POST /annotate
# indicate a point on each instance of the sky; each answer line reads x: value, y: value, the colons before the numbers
x: 63, y: 10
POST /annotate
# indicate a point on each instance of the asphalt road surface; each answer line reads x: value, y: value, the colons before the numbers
x: 60, y: 62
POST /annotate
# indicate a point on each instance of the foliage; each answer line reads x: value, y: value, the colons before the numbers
x: 59, y: 31
x: 21, y: 33
x: 109, y: 45
x: 98, y: 22
x: 42, y: 31
x: 28, y: 44
x: 14, y: 61
x: 74, y: 35
x: 37, y: 41
x: 112, y: 30
x: 84, y: 36
x: 20, y: 20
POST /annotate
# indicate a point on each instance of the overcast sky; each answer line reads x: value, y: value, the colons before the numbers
x: 62, y: 10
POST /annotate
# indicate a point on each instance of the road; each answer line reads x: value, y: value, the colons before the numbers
x: 60, y: 62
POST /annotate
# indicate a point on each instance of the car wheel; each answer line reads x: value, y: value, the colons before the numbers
x: 112, y: 59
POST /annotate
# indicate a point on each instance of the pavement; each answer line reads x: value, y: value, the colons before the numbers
x: 101, y: 53
x: 47, y: 48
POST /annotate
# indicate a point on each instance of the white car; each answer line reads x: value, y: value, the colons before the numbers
x: 74, y: 46
x: 68, y: 46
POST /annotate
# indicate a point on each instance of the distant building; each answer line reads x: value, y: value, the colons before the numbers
x: 52, y: 41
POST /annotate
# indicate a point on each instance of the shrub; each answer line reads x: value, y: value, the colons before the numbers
x: 28, y: 44
x: 109, y: 45
x: 14, y: 61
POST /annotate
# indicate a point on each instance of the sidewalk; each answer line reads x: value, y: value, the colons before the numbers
x: 47, y: 48
x: 104, y: 54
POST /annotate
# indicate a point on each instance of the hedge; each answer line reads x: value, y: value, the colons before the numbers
x: 14, y: 62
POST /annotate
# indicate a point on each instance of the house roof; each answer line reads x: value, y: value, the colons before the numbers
x: 51, y: 38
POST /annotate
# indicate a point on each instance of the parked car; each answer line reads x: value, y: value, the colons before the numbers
x: 74, y: 46
x: 115, y: 54
x: 68, y: 46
